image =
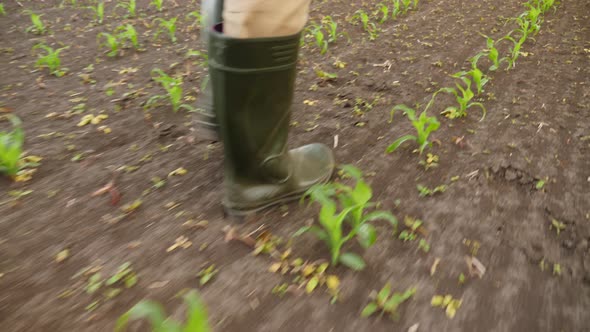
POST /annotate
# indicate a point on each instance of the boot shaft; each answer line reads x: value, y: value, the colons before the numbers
x: 253, y: 80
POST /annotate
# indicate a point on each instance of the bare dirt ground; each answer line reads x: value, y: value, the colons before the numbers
x: 537, y: 128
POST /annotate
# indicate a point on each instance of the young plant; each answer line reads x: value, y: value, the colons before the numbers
x: 153, y: 311
x: 387, y: 303
x: 514, y: 50
x: 38, y: 26
x: 11, y: 147
x: 158, y: 4
x: 396, y: 8
x: 2, y: 11
x: 368, y: 26
x: 173, y: 87
x: 383, y: 8
x: 406, y: 4
x: 196, y: 16
x: 50, y: 60
x: 168, y: 26
x: 98, y: 11
x: 423, y: 124
x: 130, y: 6
x: 492, y: 53
x: 336, y: 227
x: 128, y: 33
x: 463, y: 96
x: 111, y: 41
x: 332, y: 28
x: 319, y: 37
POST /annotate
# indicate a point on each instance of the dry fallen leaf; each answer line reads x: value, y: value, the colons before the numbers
x: 434, y: 266
x: 62, y: 255
x: 476, y: 268
x: 178, y: 171
x: 414, y: 328
x: 158, y: 284
x: 332, y: 282
x: 181, y: 242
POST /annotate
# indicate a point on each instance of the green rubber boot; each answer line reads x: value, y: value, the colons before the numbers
x: 253, y: 82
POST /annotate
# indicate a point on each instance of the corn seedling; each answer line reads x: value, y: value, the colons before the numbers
x: 128, y: 33
x: 463, y: 96
x: 423, y: 124
x: 196, y: 16
x: 332, y: 28
x: 383, y: 8
x: 514, y: 50
x: 168, y: 26
x: 50, y: 60
x: 11, y: 145
x: 396, y: 8
x: 196, y: 316
x: 38, y: 26
x: 158, y: 4
x: 320, y: 39
x: 407, y: 5
x: 2, y: 11
x: 492, y: 53
x: 173, y: 87
x: 385, y: 302
x: 111, y: 41
x: 351, y: 217
x: 130, y: 7
x: 368, y: 26
x: 98, y: 11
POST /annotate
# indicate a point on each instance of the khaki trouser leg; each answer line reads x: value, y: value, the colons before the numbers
x: 264, y: 18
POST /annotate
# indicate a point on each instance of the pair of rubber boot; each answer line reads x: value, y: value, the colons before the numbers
x: 252, y: 84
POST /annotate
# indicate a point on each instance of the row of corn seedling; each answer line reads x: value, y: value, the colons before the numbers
x: 470, y: 84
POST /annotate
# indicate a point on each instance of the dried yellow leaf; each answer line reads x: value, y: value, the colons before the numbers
x: 62, y: 255
x: 97, y: 119
x: 86, y: 119
x: 178, y: 171
x: 24, y: 175
x: 451, y: 310
x: 274, y: 267
x: 436, y: 301
x: 332, y: 282
x: 308, y: 270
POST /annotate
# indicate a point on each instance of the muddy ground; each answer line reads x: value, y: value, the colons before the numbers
x: 537, y: 128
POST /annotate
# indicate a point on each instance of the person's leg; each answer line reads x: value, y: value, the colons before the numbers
x: 252, y: 62
x: 264, y: 18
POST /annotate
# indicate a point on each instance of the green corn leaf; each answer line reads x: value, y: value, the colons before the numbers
x: 366, y: 235
x: 370, y: 309
x: 396, y: 144
x: 381, y: 215
x: 352, y: 261
x: 383, y: 294
x: 197, y: 314
x: 153, y: 311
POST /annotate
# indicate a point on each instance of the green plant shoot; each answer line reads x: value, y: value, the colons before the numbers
x: 333, y: 222
x: 196, y: 316
x: 158, y: 4
x: 11, y: 147
x: 167, y: 25
x: 173, y: 87
x: 50, y: 60
x: 38, y: 26
x: 423, y: 124
x: 130, y: 6
x: 98, y: 11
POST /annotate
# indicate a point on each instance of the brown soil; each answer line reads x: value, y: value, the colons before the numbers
x: 537, y: 127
